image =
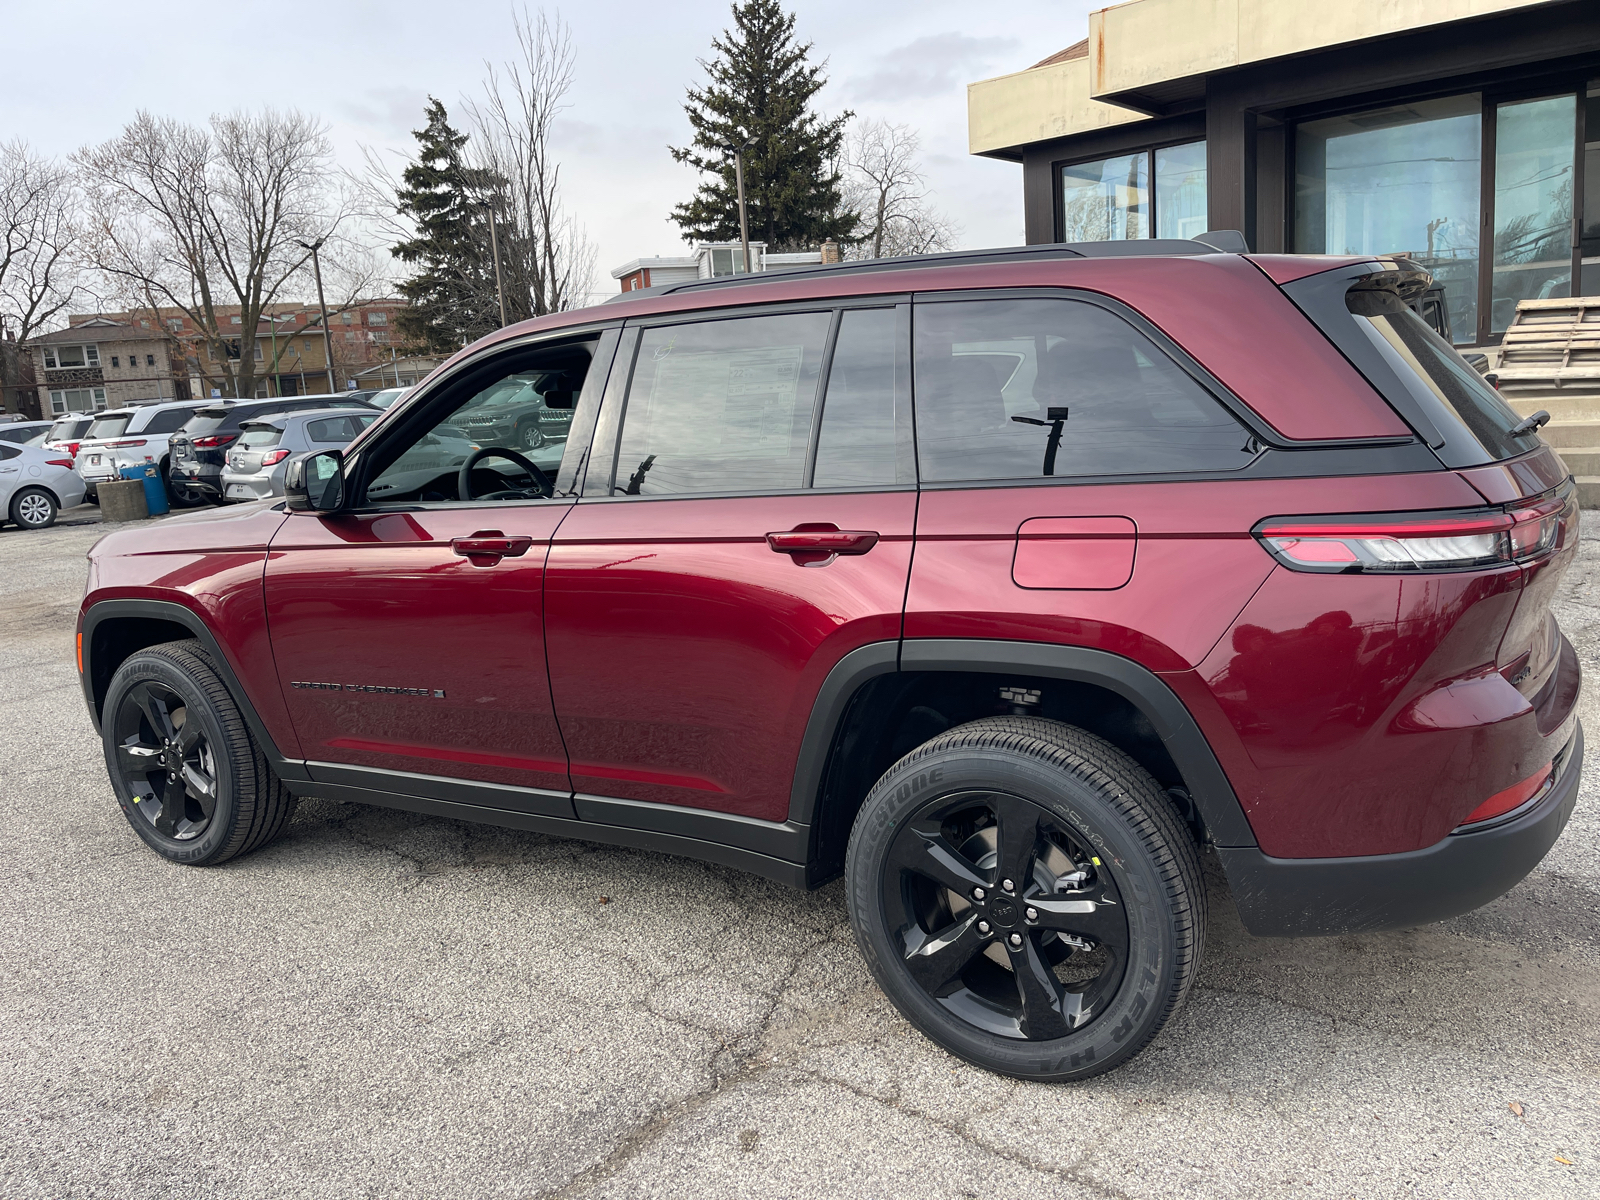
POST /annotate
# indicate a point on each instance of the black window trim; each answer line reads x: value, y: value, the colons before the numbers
x: 614, y: 408
x: 415, y: 410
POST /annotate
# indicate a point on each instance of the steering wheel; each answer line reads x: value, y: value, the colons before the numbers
x: 464, y: 477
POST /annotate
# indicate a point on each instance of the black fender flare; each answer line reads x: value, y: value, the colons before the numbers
x: 1180, y: 733
x: 178, y: 614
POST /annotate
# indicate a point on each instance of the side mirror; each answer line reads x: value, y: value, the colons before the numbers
x: 315, y: 483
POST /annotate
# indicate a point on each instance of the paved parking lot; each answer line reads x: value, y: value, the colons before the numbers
x: 387, y: 1005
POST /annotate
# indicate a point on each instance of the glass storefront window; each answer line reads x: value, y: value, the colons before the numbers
x: 1404, y: 179
x: 1591, y: 191
x: 1180, y: 184
x: 1533, y: 180
x: 1106, y: 201
x: 1154, y: 193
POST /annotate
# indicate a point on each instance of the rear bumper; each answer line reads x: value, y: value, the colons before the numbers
x: 242, y: 488
x: 198, y: 477
x: 1306, y: 897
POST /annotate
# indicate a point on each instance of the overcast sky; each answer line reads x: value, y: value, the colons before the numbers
x: 77, y: 71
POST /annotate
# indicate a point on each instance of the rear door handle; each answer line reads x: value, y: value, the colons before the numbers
x: 818, y: 545
x: 489, y: 546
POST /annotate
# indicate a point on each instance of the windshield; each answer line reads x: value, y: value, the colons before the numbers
x: 261, y: 435
x: 108, y: 427
x: 205, y: 421
x: 1442, y: 370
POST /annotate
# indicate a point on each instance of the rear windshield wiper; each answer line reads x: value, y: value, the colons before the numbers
x: 1531, y: 425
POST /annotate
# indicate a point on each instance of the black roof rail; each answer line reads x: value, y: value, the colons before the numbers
x: 1226, y: 241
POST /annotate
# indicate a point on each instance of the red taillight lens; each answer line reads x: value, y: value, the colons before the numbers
x: 1427, y: 542
x: 1446, y: 541
x: 59, y: 462
x: 272, y: 457
x: 212, y: 441
x: 126, y: 442
x: 1513, y: 797
x: 72, y: 448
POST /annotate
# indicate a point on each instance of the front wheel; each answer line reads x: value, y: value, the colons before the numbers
x: 1026, y: 895
x: 190, y: 778
x: 33, y: 508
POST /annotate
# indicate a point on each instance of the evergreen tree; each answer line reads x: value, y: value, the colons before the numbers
x: 451, y: 293
x: 760, y: 89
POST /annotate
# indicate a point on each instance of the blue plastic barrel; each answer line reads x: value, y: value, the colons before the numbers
x: 155, y: 495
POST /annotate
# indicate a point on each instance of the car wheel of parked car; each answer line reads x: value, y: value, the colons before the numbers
x: 190, y: 778
x: 179, y: 495
x: 33, y: 508
x: 529, y: 436
x: 1027, y: 896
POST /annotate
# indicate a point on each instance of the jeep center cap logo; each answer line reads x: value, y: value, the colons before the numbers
x: 1003, y: 911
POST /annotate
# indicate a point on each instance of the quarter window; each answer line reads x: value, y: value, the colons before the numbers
x: 865, y: 406
x: 721, y: 406
x: 1025, y: 389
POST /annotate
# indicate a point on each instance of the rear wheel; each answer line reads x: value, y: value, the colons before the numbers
x: 179, y: 495
x: 1026, y: 896
x: 190, y: 778
x: 33, y: 508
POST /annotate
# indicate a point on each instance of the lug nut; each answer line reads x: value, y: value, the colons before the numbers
x: 1016, y: 940
x: 1008, y: 885
x: 1033, y: 914
x: 983, y: 927
x: 978, y: 893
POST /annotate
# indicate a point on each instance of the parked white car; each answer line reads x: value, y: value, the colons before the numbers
x: 67, y: 432
x: 128, y: 437
x: 35, y: 484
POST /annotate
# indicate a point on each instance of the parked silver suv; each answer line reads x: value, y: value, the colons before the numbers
x: 267, y: 445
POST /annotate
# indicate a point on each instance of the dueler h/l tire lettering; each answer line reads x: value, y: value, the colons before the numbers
x: 1026, y: 896
x: 191, y: 780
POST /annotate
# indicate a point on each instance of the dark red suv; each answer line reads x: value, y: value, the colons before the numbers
x: 1003, y: 584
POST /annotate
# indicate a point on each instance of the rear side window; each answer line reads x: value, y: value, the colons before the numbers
x: 256, y: 436
x: 864, y: 417
x: 108, y: 427
x: 721, y: 406
x: 337, y: 430
x: 1424, y: 358
x: 1025, y: 389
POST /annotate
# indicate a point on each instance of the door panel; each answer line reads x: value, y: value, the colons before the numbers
x: 686, y: 651
x: 396, y: 649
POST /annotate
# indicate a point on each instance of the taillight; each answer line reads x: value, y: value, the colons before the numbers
x: 59, y: 462
x: 213, y: 440
x: 1449, y: 541
x: 127, y: 442
x: 72, y: 448
x: 272, y: 457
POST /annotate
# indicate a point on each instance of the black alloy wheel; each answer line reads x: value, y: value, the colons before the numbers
x: 1006, y: 916
x: 180, y: 495
x: 1026, y: 895
x: 166, y: 761
x: 191, y: 780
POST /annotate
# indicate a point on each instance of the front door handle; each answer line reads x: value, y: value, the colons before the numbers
x: 819, y: 544
x: 489, y: 546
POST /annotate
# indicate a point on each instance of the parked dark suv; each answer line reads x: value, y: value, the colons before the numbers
x: 1005, y: 585
x: 200, y: 449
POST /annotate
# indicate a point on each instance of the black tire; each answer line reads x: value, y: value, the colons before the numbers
x: 179, y: 496
x: 528, y: 436
x: 1049, y: 993
x: 145, y: 727
x: 33, y: 508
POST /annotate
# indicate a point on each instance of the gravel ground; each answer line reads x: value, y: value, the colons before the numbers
x: 388, y: 1005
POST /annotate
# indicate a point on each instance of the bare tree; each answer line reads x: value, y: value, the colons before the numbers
x: 202, y: 220
x: 40, y: 269
x: 885, y: 184
x: 546, y: 258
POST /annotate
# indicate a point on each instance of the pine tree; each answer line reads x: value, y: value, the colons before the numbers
x: 451, y: 294
x: 761, y: 86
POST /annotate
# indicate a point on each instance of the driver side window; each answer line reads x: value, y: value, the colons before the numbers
x: 507, y: 420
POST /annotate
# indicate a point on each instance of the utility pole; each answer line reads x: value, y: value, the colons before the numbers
x: 494, y: 250
x: 738, y: 174
x: 322, y: 303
